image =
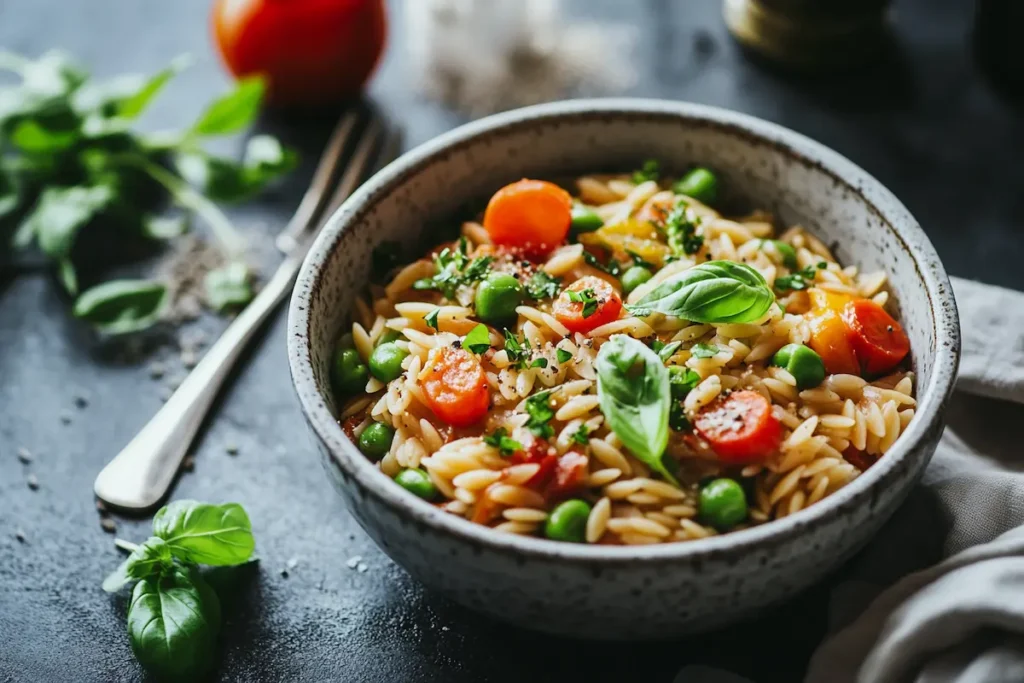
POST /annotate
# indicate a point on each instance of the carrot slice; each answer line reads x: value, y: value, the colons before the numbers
x: 587, y: 304
x: 455, y: 386
x: 533, y: 215
x: 740, y: 427
x: 878, y: 340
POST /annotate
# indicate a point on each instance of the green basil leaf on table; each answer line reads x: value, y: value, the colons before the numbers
x: 633, y: 389
x: 478, y: 340
x: 228, y: 286
x: 712, y: 292
x: 234, y: 111
x: 225, y: 180
x: 122, y: 306
x: 205, y: 534
x: 173, y: 622
x: 149, y: 558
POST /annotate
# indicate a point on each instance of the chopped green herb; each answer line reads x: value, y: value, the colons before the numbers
x: 454, y: 269
x: 581, y: 435
x: 651, y: 170
x: 517, y: 352
x: 587, y: 297
x: 431, y: 318
x: 500, y: 439
x: 541, y: 413
x: 667, y: 350
x: 563, y: 356
x: 680, y: 228
x: 612, y: 267
x: 703, y: 350
x: 639, y: 261
x: 801, y: 279
x: 677, y: 418
x: 478, y: 340
x: 540, y: 362
x: 681, y: 381
x: 542, y: 286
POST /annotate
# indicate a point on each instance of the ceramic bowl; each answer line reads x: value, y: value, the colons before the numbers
x: 622, y: 592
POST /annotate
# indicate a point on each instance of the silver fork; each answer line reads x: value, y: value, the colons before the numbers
x: 140, y: 475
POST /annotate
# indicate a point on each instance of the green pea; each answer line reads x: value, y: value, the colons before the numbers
x: 787, y: 252
x: 583, y: 220
x: 375, y: 441
x: 417, y: 482
x: 634, y: 277
x: 803, y: 363
x: 348, y: 373
x: 388, y: 336
x: 568, y: 521
x: 497, y: 298
x: 723, y: 504
x: 386, y: 361
x: 699, y: 183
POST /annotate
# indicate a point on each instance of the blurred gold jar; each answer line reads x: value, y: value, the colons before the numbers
x: 811, y: 35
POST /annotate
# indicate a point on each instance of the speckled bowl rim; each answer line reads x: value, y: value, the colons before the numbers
x: 366, y: 476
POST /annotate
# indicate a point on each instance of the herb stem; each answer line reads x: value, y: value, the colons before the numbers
x: 124, y: 545
x: 229, y: 238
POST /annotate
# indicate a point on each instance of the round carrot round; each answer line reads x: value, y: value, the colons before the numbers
x: 878, y: 340
x: 587, y: 304
x: 455, y: 386
x: 533, y: 215
x: 740, y: 427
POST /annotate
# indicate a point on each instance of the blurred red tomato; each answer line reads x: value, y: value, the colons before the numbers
x: 311, y: 51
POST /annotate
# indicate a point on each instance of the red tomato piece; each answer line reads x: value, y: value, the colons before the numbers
x: 455, y: 386
x: 859, y: 459
x: 310, y: 51
x: 740, y: 427
x: 879, y: 341
x: 541, y: 452
x: 601, y: 305
x: 830, y: 339
x: 570, y: 473
x: 533, y: 215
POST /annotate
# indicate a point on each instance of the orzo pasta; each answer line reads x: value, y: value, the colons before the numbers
x: 626, y: 366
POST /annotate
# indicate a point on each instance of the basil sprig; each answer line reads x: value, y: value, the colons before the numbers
x: 633, y: 389
x: 174, y: 616
x: 712, y: 292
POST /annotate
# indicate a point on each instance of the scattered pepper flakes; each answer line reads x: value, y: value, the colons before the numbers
x: 108, y: 525
x: 231, y: 449
x: 20, y: 535
x: 284, y: 573
x: 81, y: 402
x: 24, y: 456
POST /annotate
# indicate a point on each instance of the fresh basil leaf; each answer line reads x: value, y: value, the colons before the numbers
x: 163, y: 228
x: 478, y: 340
x: 228, y: 286
x: 682, y: 381
x: 431, y: 318
x: 224, y: 180
x: 633, y: 389
x: 122, y: 306
x: 563, y: 356
x: 234, y: 111
x: 702, y: 350
x: 538, y: 407
x: 205, y: 534
x: 542, y: 286
x: 173, y: 622
x: 500, y: 439
x: 59, y: 213
x: 29, y: 136
x: 667, y: 350
x: 151, y: 557
x: 712, y: 292
x: 587, y: 297
x: 540, y: 362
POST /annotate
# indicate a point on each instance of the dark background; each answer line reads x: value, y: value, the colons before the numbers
x: 925, y: 123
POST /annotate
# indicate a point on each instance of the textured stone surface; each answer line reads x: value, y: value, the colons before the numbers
x: 928, y: 126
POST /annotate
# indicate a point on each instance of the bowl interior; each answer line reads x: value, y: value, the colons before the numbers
x: 426, y: 194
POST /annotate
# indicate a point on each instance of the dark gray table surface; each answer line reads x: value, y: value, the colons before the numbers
x: 926, y: 123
